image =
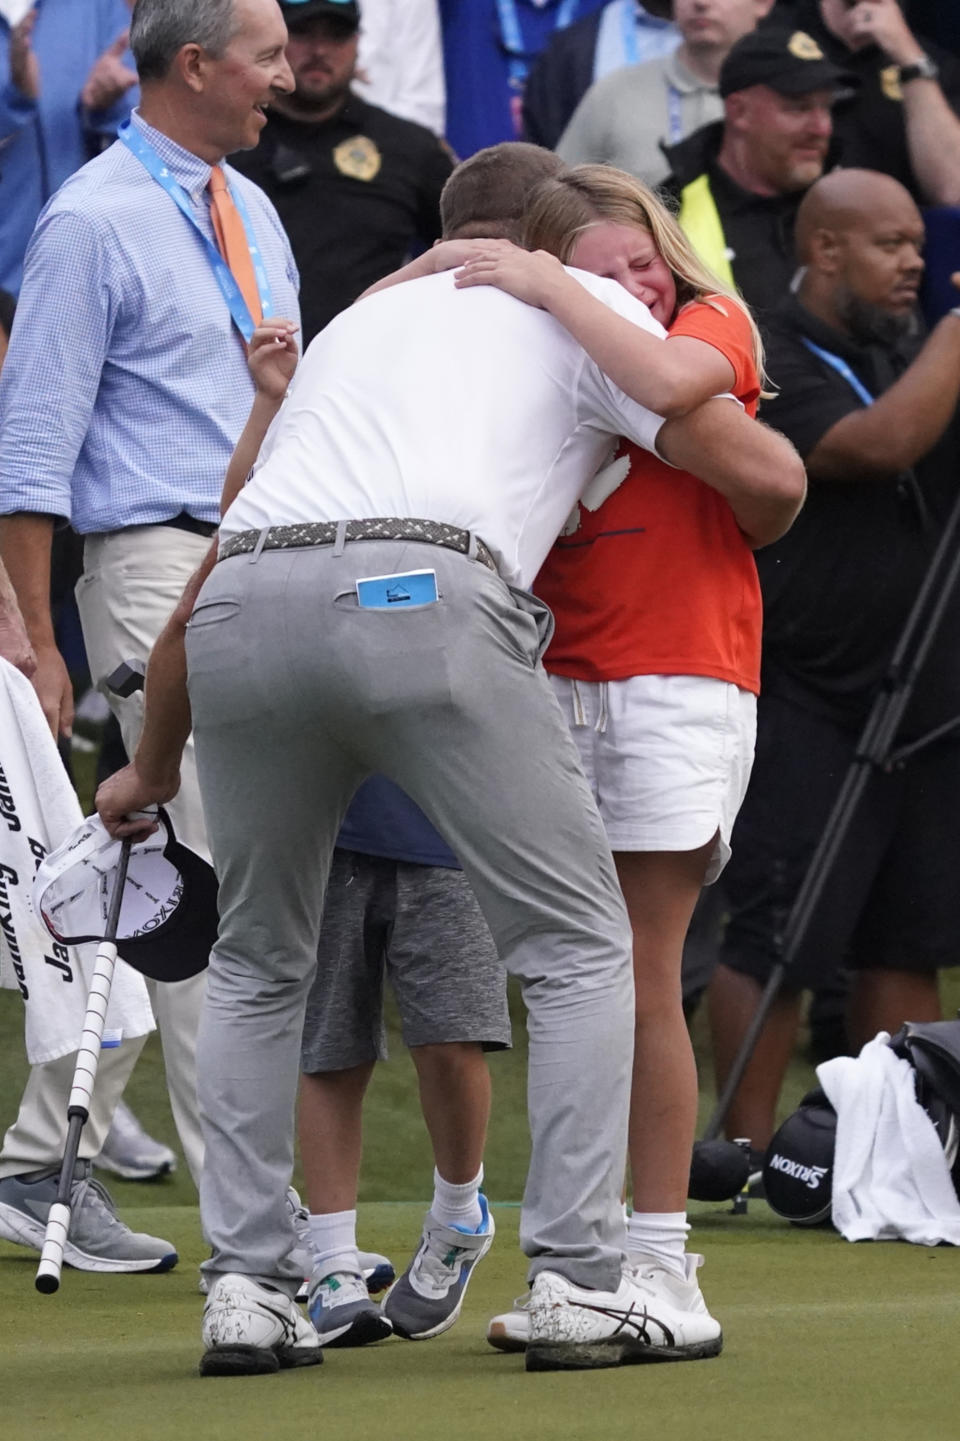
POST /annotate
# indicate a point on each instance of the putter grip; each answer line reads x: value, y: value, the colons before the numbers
x: 51, y: 1257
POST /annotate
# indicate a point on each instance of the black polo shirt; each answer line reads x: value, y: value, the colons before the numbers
x: 354, y: 193
x: 869, y: 125
x: 839, y: 585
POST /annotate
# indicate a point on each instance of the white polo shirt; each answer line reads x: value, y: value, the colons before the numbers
x: 463, y: 406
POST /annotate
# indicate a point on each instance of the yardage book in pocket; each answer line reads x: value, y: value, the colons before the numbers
x: 397, y: 592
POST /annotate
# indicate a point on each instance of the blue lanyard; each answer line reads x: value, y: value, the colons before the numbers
x: 512, y: 36
x: 229, y: 288
x: 842, y: 368
x: 631, y: 45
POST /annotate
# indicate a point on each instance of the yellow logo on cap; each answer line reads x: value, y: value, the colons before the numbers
x: 890, y: 83
x: 358, y: 157
x: 803, y: 46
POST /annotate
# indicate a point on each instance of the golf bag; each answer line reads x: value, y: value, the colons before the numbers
x: 798, y: 1167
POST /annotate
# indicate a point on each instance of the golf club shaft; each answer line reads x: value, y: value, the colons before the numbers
x: 84, y: 1077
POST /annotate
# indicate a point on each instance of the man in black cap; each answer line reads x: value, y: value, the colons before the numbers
x: 740, y: 181
x: 355, y: 187
x: 903, y: 118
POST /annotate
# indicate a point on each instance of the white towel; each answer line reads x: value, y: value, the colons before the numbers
x: 890, y: 1176
x: 38, y: 810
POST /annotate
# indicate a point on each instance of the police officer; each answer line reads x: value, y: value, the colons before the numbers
x: 356, y: 187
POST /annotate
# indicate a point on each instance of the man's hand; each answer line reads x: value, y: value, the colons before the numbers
x: 528, y: 276
x: 15, y: 646
x: 24, y: 66
x: 123, y: 794
x: 882, y: 23
x: 109, y: 78
x: 52, y: 685
x: 273, y: 357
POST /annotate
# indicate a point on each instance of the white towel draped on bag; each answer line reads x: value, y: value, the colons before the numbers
x: 890, y: 1175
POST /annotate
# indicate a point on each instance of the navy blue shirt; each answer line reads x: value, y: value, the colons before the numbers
x: 383, y: 821
x: 477, y: 65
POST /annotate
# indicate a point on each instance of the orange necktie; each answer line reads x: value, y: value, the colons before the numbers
x: 232, y: 241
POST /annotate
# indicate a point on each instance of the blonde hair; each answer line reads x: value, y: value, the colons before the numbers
x: 563, y: 207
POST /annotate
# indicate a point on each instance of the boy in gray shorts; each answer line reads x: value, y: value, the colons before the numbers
x: 398, y: 904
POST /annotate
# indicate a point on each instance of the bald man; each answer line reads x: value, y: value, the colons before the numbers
x: 870, y: 405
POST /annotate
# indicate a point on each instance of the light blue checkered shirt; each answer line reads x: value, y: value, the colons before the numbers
x: 126, y: 384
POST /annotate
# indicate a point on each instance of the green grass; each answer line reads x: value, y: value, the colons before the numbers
x: 823, y: 1340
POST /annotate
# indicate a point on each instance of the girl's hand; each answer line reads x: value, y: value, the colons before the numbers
x: 451, y: 254
x: 272, y: 357
x: 532, y: 277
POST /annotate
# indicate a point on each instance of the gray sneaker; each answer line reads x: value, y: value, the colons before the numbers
x: 377, y: 1270
x: 98, y: 1239
x: 130, y: 1153
x: 427, y: 1298
x: 343, y: 1314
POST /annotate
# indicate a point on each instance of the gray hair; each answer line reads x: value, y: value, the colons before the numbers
x: 160, y: 28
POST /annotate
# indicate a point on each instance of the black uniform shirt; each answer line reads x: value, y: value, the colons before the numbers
x: 355, y: 193
x: 839, y: 585
x: 869, y: 125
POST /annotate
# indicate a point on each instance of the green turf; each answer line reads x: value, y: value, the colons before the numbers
x: 823, y: 1340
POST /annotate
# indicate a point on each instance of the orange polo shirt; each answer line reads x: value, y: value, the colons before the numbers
x: 658, y: 580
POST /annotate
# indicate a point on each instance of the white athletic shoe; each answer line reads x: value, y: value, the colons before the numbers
x: 251, y: 1330
x: 652, y: 1316
x: 130, y: 1153
x: 510, y: 1331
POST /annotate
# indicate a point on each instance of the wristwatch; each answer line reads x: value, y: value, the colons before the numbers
x: 922, y: 69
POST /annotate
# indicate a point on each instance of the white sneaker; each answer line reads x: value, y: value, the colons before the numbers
x: 652, y: 1316
x: 131, y: 1154
x: 250, y: 1330
x: 510, y: 1331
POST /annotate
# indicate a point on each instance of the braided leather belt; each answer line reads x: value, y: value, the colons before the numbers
x: 292, y: 537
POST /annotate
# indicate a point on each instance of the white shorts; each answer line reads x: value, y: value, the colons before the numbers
x: 668, y: 758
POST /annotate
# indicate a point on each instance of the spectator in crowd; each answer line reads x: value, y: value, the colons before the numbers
x: 355, y: 187
x: 902, y: 118
x: 400, y: 64
x: 488, y: 48
x: 131, y: 308
x: 623, y: 32
x: 65, y: 86
x: 739, y: 182
x: 871, y: 407
x: 627, y: 116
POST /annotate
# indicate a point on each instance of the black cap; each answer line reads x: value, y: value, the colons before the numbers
x: 298, y: 12
x: 789, y: 61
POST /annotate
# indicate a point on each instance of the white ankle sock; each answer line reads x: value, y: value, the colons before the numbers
x: 333, y: 1239
x: 457, y: 1205
x: 662, y: 1235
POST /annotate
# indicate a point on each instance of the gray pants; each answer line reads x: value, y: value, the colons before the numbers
x: 297, y: 695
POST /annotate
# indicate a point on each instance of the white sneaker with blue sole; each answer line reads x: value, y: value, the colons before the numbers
x: 426, y: 1300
